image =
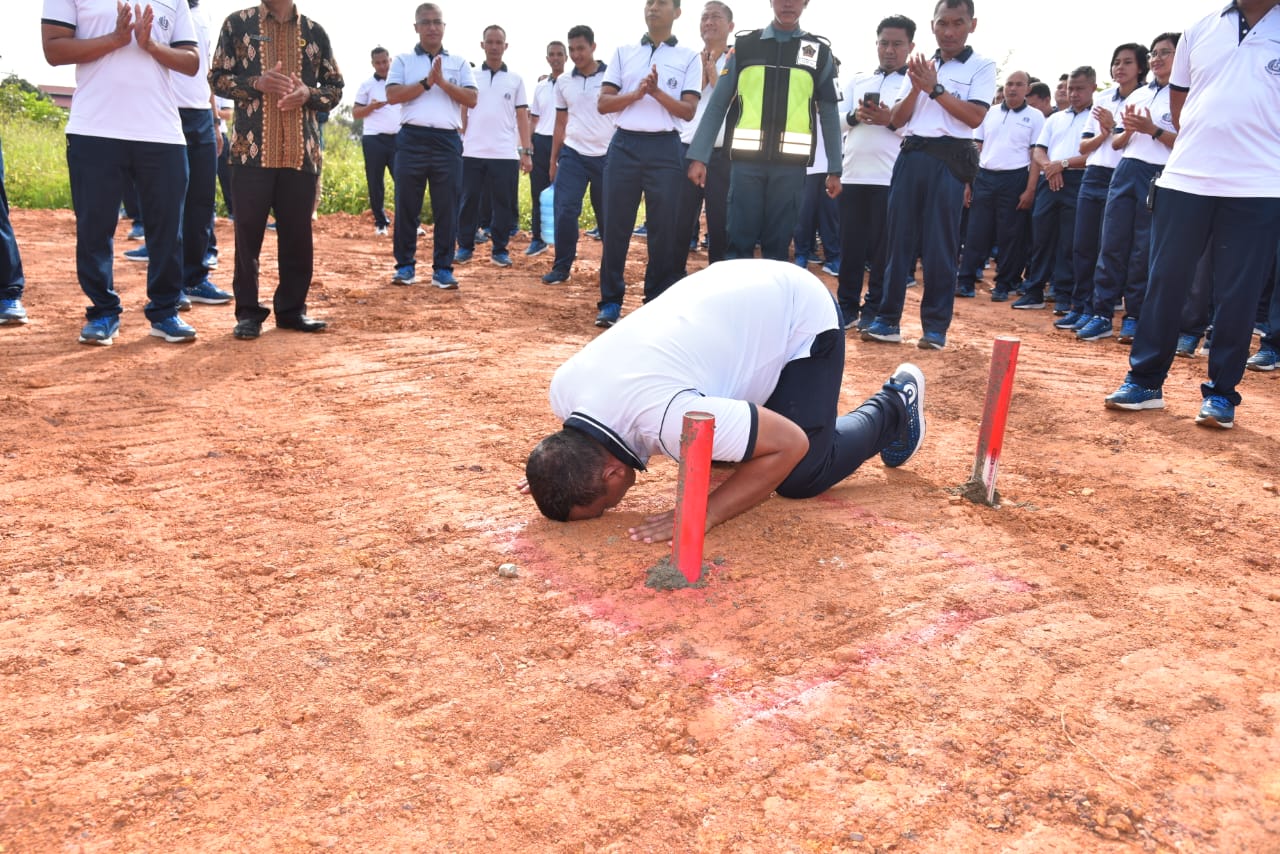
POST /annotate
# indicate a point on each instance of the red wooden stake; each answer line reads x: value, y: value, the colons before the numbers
x: 696, y: 437
x: 995, y: 412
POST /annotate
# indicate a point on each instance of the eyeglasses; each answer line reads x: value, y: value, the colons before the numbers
x: 432, y: 22
x: 1162, y: 54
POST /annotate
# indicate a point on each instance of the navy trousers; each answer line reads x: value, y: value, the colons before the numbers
x: 1091, y: 203
x: 498, y: 180
x: 12, y: 281
x: 764, y: 206
x: 925, y: 202
x: 574, y: 172
x: 637, y: 164
x: 819, y: 214
x: 101, y: 169
x: 994, y: 220
x: 539, y: 179
x: 1124, y: 255
x: 427, y: 158
x: 808, y: 393
x: 1053, y: 226
x: 1240, y: 236
x: 863, y: 211
x: 379, y: 159
x: 202, y: 193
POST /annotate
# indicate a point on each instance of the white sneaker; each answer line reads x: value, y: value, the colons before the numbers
x: 422, y: 232
x: 380, y: 231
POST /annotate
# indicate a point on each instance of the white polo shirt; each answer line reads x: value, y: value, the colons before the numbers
x: 1145, y: 147
x: 588, y: 131
x: 432, y: 108
x: 1007, y: 136
x: 717, y: 342
x: 193, y: 93
x: 1062, y: 132
x: 871, y: 150
x: 969, y: 77
x: 1236, y: 78
x: 385, y: 119
x: 491, y: 123
x: 679, y: 73
x: 1104, y: 155
x: 543, y: 107
x: 125, y: 94
x: 223, y: 104
x: 689, y: 128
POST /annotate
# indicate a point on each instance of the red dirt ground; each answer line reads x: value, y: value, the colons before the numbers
x: 250, y: 599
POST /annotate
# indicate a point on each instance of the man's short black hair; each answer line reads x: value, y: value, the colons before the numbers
x: 1141, y: 55
x: 582, y: 31
x: 556, y: 43
x: 1039, y: 90
x: 1087, y: 72
x: 565, y: 471
x: 497, y: 27
x: 898, y: 22
x: 967, y: 5
x: 377, y: 50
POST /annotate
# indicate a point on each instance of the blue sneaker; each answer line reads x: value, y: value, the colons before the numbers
x: 137, y: 232
x: 1068, y: 320
x: 1085, y: 317
x: 1128, y: 328
x: 932, y: 341
x: 1096, y: 329
x: 211, y: 261
x: 12, y: 311
x: 1134, y: 397
x: 502, y: 259
x: 1033, y: 299
x: 184, y: 302
x: 555, y: 277
x: 832, y: 268
x: 999, y: 294
x: 907, y: 381
x: 593, y: 233
x: 881, y: 331
x: 404, y: 275
x: 462, y: 256
x: 802, y: 260
x: 208, y: 293
x: 609, y: 314
x: 271, y: 226
x: 482, y: 235
x: 1263, y: 360
x: 642, y: 231
x: 173, y: 330
x: 1217, y: 411
x: 1187, y: 346
x: 444, y: 280
x: 967, y: 292
x: 139, y: 254
x: 536, y: 247
x: 100, y: 331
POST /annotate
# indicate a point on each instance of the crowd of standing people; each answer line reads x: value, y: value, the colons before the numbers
x: 1132, y: 198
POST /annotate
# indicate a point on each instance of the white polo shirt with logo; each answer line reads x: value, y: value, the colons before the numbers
x: 543, y: 107
x: 432, y: 108
x: 491, y: 123
x: 969, y: 77
x: 125, y: 94
x: 1060, y: 137
x: 1231, y: 118
x: 631, y: 386
x: 1104, y: 155
x: 689, y: 128
x: 587, y: 131
x: 679, y: 73
x: 871, y: 150
x: 385, y: 119
x: 193, y: 93
x: 1155, y: 99
x: 1007, y: 137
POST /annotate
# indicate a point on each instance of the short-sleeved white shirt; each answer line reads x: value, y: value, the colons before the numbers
x: 1143, y: 146
x: 717, y: 341
x: 1231, y: 119
x: 125, y: 94
x: 543, y: 107
x: 224, y: 104
x: 1104, y: 155
x: 1007, y: 136
x: 193, y: 93
x: 679, y: 72
x: 588, y: 131
x: 1060, y: 137
x: 689, y: 128
x: 969, y: 77
x: 385, y: 119
x: 491, y: 123
x: 432, y: 108
x: 871, y: 150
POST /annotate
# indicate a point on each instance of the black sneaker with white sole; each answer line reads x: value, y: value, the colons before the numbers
x: 908, y: 382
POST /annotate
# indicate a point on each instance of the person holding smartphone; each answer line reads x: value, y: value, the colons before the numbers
x: 870, y: 149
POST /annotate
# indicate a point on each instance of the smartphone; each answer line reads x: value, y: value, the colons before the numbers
x: 871, y: 99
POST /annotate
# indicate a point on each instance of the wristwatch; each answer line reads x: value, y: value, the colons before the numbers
x: 937, y: 91
x: 1159, y: 133
x: 1066, y: 164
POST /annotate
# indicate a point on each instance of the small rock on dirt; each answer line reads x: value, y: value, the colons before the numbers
x: 636, y: 701
x: 508, y: 570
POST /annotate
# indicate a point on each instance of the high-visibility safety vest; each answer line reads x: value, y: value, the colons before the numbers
x: 773, y: 118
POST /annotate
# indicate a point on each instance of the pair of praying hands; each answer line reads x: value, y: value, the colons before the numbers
x: 133, y: 23
x: 293, y: 93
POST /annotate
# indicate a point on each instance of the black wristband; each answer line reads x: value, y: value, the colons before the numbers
x: 425, y: 83
x: 851, y: 119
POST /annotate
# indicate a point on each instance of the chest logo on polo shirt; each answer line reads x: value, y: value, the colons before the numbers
x: 163, y: 23
x: 506, y: 96
x: 1273, y: 67
x: 807, y: 56
x: 1167, y: 118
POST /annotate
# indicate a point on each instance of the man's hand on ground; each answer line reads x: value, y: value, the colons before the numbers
x: 655, y: 529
